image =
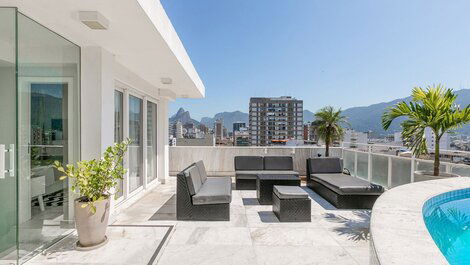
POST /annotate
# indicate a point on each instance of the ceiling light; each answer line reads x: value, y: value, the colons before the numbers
x: 93, y: 19
x: 166, y: 81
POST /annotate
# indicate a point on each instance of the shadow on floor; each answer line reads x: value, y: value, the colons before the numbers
x: 318, y: 199
x: 355, y: 228
x: 250, y: 201
x: 268, y: 217
x: 167, y: 212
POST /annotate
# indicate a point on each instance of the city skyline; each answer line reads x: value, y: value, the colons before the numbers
x: 320, y: 51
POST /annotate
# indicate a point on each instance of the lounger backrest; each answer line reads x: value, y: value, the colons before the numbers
x: 278, y: 163
x: 248, y: 163
x: 324, y: 165
x: 193, y: 179
x: 202, y: 171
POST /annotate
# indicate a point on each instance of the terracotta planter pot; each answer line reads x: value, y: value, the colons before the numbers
x: 91, y: 228
x: 422, y: 175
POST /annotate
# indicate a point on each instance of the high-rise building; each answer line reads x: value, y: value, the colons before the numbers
x: 176, y: 129
x: 275, y: 120
x: 238, y: 125
x: 219, y: 130
x: 444, y: 142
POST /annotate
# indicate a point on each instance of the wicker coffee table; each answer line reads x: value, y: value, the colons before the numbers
x: 291, y: 204
x: 265, y: 183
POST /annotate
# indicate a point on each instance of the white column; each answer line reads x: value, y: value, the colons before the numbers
x: 97, y: 105
x: 97, y: 101
x: 162, y: 143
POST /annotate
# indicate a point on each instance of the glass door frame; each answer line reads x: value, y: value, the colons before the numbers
x: 128, y: 91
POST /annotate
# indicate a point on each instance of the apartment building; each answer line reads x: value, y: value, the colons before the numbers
x: 275, y: 120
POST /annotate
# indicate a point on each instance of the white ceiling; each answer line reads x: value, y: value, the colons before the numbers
x: 140, y: 36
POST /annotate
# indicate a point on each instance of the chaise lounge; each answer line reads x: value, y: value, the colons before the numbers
x: 325, y: 176
x: 248, y: 168
x: 202, y: 198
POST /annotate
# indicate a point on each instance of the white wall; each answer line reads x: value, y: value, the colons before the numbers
x: 101, y: 76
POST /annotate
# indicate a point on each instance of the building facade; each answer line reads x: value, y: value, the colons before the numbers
x: 76, y: 77
x: 219, y: 130
x: 275, y: 120
x: 237, y: 126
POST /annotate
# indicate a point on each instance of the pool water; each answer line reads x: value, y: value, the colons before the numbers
x: 447, y: 217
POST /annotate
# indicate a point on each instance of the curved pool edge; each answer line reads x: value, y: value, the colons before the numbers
x: 398, y: 232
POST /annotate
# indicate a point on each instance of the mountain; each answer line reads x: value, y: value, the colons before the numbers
x: 365, y: 118
x: 368, y: 118
x: 183, y: 116
x: 228, y: 117
x: 308, y: 116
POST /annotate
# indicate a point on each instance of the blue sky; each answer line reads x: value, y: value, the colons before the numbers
x: 330, y: 52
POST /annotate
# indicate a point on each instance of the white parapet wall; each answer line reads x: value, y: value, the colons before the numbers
x: 218, y: 160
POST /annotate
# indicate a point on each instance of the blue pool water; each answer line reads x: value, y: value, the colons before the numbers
x: 447, y: 217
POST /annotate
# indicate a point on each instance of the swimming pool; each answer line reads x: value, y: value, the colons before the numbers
x: 447, y: 217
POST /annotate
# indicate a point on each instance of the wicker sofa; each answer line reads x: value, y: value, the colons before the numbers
x: 325, y: 176
x: 202, y: 198
x: 248, y: 168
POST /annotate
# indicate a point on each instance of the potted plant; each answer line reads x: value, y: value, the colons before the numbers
x: 434, y: 108
x: 328, y: 126
x: 95, y: 181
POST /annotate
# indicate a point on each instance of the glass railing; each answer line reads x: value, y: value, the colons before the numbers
x: 381, y: 164
x: 377, y: 163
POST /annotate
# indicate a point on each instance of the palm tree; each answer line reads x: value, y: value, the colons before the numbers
x: 433, y: 107
x: 328, y: 126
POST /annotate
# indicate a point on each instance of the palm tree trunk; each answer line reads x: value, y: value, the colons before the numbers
x: 327, y: 149
x: 327, y: 145
x: 436, y: 155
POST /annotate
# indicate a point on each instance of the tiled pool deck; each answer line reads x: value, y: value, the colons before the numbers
x: 147, y: 233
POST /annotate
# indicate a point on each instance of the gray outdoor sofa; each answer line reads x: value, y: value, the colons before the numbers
x: 325, y: 176
x: 248, y: 168
x: 202, y: 198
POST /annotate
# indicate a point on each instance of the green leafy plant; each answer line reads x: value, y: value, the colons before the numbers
x: 95, y: 179
x: 328, y: 126
x: 434, y: 108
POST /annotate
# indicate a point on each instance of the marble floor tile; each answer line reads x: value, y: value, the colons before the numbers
x: 210, y: 236
x: 208, y: 255
x: 253, y: 236
x: 280, y: 236
x: 304, y: 255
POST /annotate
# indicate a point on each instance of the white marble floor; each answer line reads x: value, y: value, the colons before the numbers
x: 252, y: 236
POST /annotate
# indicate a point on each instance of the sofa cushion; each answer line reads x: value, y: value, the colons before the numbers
x: 290, y: 192
x: 193, y: 179
x: 202, y: 170
x: 247, y: 174
x: 278, y: 163
x: 280, y: 172
x: 248, y: 163
x: 347, y: 185
x: 324, y: 165
x: 216, y: 190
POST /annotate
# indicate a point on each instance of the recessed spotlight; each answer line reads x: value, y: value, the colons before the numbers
x: 93, y: 19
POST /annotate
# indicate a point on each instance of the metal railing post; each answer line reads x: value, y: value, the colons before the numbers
x: 355, y: 163
x: 413, y: 161
x: 389, y: 174
x: 369, y: 163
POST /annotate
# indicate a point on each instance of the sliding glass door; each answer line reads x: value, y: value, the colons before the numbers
x: 8, y: 138
x: 48, y: 119
x: 119, y: 129
x: 39, y: 124
x: 136, y: 146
